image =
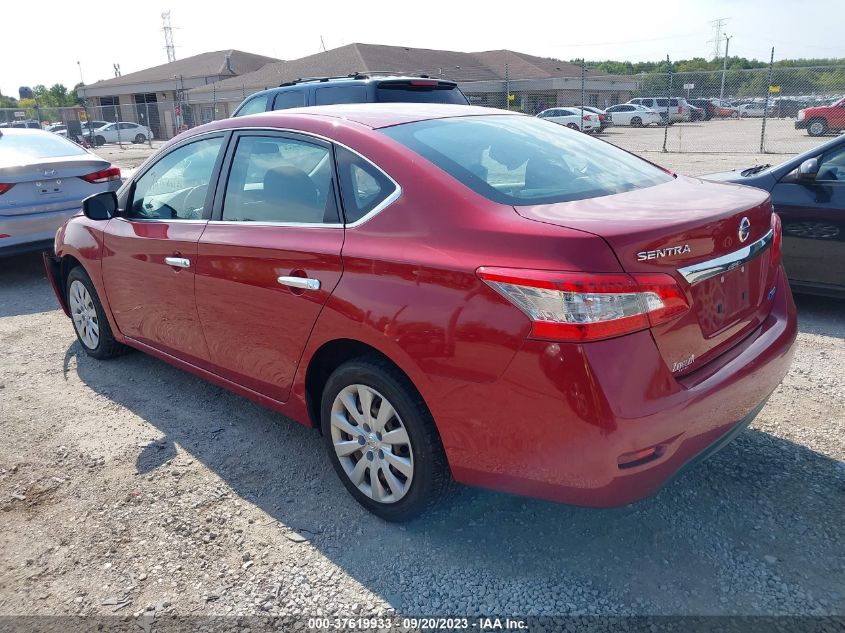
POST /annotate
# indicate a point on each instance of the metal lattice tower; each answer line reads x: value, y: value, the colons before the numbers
x: 717, y: 37
x: 168, y: 37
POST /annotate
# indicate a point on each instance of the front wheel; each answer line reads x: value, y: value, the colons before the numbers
x: 89, y: 318
x: 636, y: 122
x: 382, y: 440
x: 817, y: 127
x: 99, y: 140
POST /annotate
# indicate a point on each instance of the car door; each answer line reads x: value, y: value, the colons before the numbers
x: 269, y: 258
x: 812, y: 211
x: 150, y: 251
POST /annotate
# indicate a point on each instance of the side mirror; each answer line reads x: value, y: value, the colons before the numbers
x: 808, y: 169
x: 100, y: 206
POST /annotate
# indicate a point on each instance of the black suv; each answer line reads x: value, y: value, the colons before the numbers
x: 356, y: 88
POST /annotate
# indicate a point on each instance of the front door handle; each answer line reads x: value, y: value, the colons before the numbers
x: 300, y: 282
x: 178, y: 262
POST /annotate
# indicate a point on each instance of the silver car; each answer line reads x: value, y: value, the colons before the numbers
x: 43, y: 180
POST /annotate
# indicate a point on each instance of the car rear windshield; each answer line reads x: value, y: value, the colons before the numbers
x: 17, y: 148
x: 419, y: 92
x: 520, y: 160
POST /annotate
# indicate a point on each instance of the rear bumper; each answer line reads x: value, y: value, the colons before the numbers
x: 32, y: 231
x: 565, y: 420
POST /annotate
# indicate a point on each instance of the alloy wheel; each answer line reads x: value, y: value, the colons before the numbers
x: 84, y: 315
x: 372, y: 443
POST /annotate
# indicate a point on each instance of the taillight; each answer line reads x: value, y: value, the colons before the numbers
x: 104, y: 175
x: 4, y: 187
x: 582, y: 307
x: 587, y: 117
x: 680, y: 110
x: 777, y: 239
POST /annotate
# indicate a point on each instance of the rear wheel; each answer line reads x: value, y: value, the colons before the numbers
x: 636, y: 121
x: 99, y: 140
x: 382, y: 440
x: 817, y: 127
x: 140, y: 138
x: 734, y: 114
x: 89, y: 318
x: 572, y: 126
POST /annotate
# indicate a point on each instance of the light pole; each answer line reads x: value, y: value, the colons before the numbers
x: 724, y: 68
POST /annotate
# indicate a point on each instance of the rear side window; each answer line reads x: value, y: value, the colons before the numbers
x: 518, y: 160
x: 419, y: 91
x: 289, y: 99
x: 253, y: 106
x: 285, y: 180
x: 662, y: 102
x: 364, y: 187
x: 340, y: 94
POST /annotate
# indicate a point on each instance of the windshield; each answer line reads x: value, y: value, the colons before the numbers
x: 521, y: 160
x: 407, y: 92
x: 18, y: 148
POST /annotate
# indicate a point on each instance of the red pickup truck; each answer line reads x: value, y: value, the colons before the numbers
x: 820, y: 120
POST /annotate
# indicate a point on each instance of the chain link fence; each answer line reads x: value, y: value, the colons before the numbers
x: 723, y: 111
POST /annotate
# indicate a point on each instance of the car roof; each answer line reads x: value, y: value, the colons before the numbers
x: 22, y: 130
x: 374, y: 115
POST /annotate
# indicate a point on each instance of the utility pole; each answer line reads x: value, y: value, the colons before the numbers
x: 724, y: 68
x: 168, y: 36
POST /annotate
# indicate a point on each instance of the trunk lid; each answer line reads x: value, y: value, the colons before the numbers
x: 673, y: 226
x: 49, y: 184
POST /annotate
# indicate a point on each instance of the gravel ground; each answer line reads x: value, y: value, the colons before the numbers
x: 131, y: 487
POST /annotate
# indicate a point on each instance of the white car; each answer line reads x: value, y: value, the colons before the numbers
x: 751, y: 110
x: 122, y: 132
x: 571, y: 118
x: 633, y: 115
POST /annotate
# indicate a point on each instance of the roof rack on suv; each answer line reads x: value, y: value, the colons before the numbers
x: 369, y: 75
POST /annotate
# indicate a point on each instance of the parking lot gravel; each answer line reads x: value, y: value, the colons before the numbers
x: 129, y: 487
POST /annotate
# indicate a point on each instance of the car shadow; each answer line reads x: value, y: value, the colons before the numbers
x: 821, y: 315
x: 22, y: 278
x: 715, y: 540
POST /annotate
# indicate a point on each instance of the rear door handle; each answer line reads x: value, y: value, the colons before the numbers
x: 178, y: 262
x: 300, y: 282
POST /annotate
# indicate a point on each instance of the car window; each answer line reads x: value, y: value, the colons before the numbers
x: 276, y: 179
x: 289, y: 99
x: 662, y: 102
x: 340, y: 94
x: 832, y: 166
x: 419, y: 91
x: 363, y: 186
x: 253, y: 106
x: 518, y: 160
x: 127, y: 126
x: 673, y: 102
x: 16, y: 149
x: 175, y: 187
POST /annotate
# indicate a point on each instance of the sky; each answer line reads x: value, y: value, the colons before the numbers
x: 46, y: 51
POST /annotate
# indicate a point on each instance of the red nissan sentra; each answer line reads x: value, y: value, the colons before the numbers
x: 447, y: 292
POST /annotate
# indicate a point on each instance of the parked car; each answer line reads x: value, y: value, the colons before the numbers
x: 315, y: 261
x: 572, y: 118
x: 724, y: 109
x: 697, y: 114
x: 633, y: 115
x: 786, y: 107
x: 56, y: 127
x: 808, y: 192
x: 706, y: 105
x: 43, y: 180
x: 87, y: 128
x: 122, y: 132
x: 751, y: 110
x: 356, y: 88
x: 672, y: 110
x: 820, y: 120
x: 21, y: 123
x: 605, y: 121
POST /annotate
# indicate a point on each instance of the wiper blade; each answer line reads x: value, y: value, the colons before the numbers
x: 755, y: 170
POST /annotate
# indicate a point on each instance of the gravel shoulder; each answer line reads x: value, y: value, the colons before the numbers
x: 131, y: 487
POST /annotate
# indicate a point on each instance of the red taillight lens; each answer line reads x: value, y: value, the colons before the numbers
x: 587, y: 117
x: 4, y: 187
x: 104, y: 175
x: 777, y: 239
x: 581, y: 307
x: 680, y: 110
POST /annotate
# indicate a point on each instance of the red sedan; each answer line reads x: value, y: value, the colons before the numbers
x: 447, y: 292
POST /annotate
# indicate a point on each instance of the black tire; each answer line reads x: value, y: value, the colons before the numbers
x: 431, y: 476
x: 636, y: 122
x: 140, y: 138
x: 572, y: 126
x: 107, y: 347
x: 817, y: 127
x: 99, y: 140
